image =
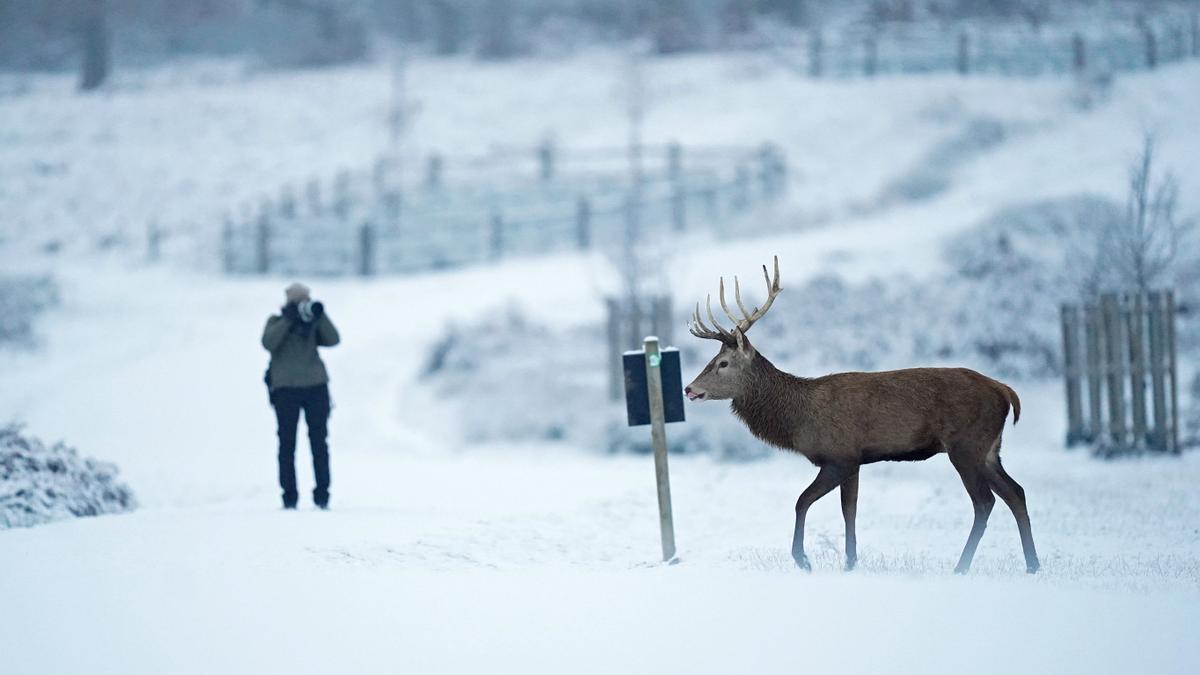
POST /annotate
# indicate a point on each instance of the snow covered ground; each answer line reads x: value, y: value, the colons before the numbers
x: 531, y: 559
x: 439, y: 557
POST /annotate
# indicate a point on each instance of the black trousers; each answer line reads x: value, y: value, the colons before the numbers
x: 314, y: 401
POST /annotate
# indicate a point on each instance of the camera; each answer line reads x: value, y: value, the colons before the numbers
x: 309, y: 311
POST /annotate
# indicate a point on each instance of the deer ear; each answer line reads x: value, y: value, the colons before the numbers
x: 743, y: 342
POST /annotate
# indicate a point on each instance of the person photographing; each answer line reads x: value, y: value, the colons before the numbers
x: 297, y: 380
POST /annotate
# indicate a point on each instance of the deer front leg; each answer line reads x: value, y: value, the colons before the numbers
x: 849, y: 509
x: 829, y: 477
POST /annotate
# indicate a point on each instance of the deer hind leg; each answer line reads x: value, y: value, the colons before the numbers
x: 970, y: 468
x: 849, y: 510
x: 1014, y: 495
x: 829, y: 477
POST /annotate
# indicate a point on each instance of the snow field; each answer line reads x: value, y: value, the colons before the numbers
x: 439, y: 557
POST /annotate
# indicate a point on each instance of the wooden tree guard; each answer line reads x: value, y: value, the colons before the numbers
x: 1126, y: 339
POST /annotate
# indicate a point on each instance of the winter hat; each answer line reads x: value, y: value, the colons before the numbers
x: 296, y: 292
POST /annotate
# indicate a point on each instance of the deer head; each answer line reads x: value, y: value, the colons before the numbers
x: 724, y: 376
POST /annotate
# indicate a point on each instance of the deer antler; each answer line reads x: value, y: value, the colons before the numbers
x: 700, y: 330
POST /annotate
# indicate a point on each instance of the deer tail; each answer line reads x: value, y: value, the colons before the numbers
x: 1013, y: 400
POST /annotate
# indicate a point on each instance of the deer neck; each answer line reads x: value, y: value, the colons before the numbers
x: 773, y: 403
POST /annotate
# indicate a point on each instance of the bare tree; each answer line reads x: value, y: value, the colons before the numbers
x: 1141, y: 248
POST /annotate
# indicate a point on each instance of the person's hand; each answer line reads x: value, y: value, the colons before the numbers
x: 291, y: 312
x: 318, y: 310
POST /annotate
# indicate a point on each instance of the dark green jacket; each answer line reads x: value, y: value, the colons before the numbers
x: 294, y: 359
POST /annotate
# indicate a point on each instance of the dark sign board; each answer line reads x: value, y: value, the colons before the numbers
x: 637, y: 396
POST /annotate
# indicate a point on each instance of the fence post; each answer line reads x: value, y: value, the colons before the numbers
x: 1078, y: 53
x: 341, y: 194
x: 153, y: 241
x: 616, y: 370
x: 583, y: 223
x: 366, y: 249
x: 433, y: 172
x: 1094, y: 360
x: 1172, y: 368
x: 1151, y: 46
x: 287, y: 202
x: 379, y: 175
x: 263, y: 242
x: 1158, y: 370
x: 1134, y: 318
x: 312, y: 194
x: 1114, y: 358
x: 779, y: 170
x: 771, y: 168
x: 678, y: 208
x: 496, y: 236
x: 963, y: 61
x: 545, y: 156
x: 392, y: 202
x: 741, y: 187
x: 633, y: 322
x: 1195, y: 34
x: 227, y: 244
x: 870, y: 55
x: 1179, y: 49
x: 660, y: 318
x: 816, y: 52
x: 710, y: 202
x: 676, y: 185
x: 1071, y: 373
x: 674, y: 162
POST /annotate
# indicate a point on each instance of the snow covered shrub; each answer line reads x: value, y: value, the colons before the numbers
x: 1014, y: 270
x: 22, y: 298
x: 995, y: 310
x: 40, y: 483
x: 512, y: 380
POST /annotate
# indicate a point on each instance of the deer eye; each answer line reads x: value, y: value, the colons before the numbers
x: 723, y: 364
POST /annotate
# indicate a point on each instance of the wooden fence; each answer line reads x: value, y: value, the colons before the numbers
x: 466, y: 211
x: 982, y: 47
x: 1112, y: 349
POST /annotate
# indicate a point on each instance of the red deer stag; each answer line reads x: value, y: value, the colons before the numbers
x: 842, y: 421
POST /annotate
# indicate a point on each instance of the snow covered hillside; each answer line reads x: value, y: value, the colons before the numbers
x: 441, y: 556
x: 182, y: 146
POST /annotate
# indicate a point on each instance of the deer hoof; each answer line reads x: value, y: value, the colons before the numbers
x: 802, y: 562
x: 850, y: 564
x: 1033, y: 567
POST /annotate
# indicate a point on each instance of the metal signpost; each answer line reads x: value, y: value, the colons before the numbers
x: 654, y: 396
